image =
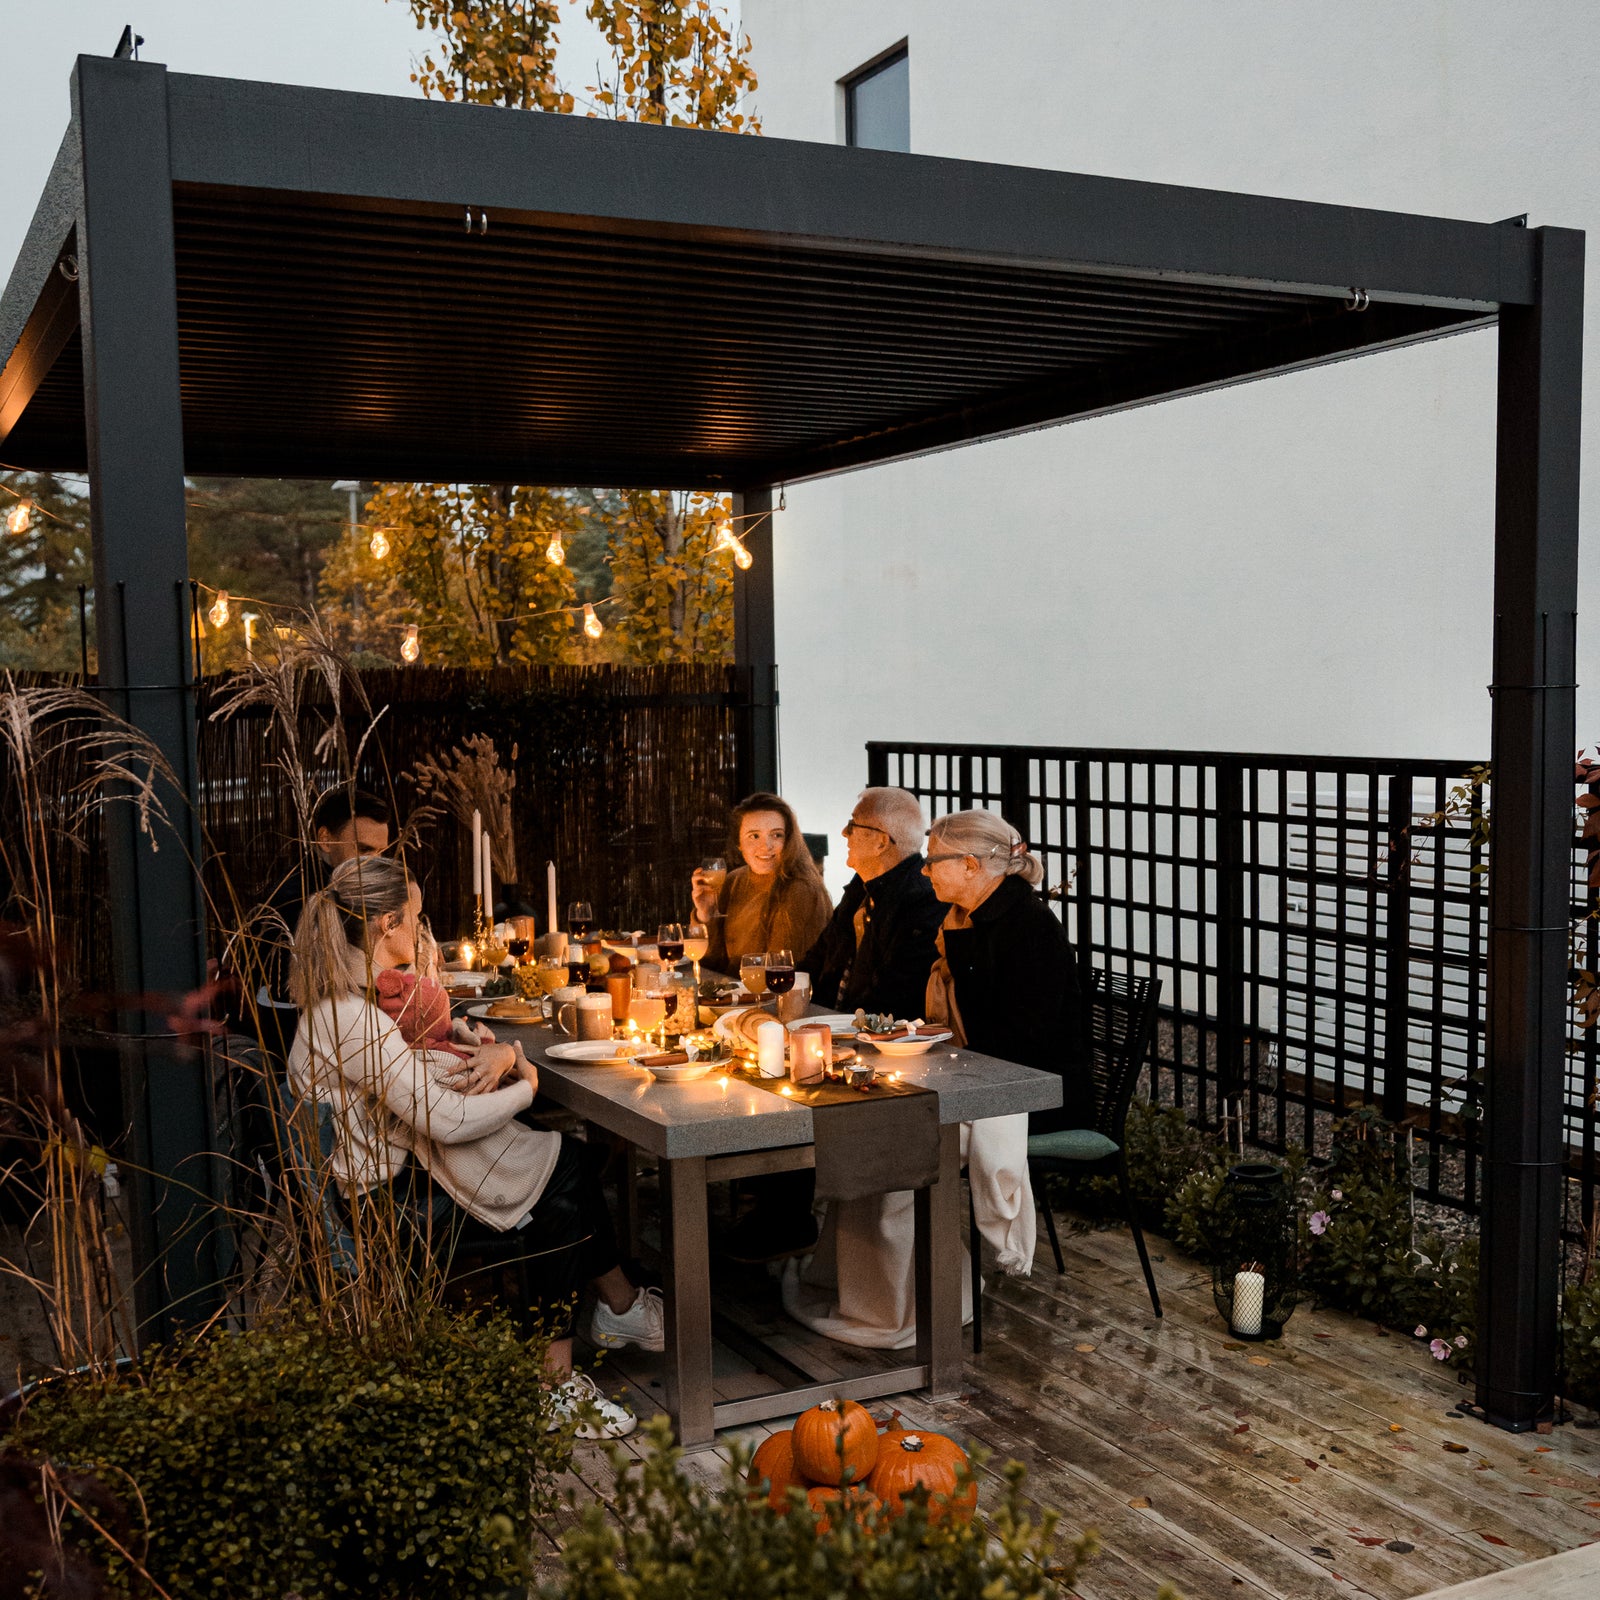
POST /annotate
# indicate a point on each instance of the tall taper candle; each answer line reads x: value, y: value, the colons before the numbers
x: 488, y: 879
x: 477, y: 854
x: 550, y: 889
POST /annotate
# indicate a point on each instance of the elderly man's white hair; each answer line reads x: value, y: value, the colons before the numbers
x: 898, y: 812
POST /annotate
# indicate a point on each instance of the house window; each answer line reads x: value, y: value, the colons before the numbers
x: 877, y: 103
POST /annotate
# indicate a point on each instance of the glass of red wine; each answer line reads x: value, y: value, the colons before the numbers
x: 580, y: 920
x: 669, y: 942
x: 780, y: 971
x: 517, y: 948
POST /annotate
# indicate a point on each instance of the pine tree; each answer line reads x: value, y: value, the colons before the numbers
x: 42, y: 563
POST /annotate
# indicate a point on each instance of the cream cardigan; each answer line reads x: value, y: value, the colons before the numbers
x: 389, y: 1101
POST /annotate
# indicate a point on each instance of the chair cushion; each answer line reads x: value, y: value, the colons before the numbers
x: 1070, y: 1144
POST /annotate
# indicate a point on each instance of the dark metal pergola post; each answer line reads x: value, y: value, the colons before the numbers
x: 129, y: 316
x: 1530, y: 892
x: 755, y: 646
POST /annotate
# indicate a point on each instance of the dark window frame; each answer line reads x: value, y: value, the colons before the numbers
x: 880, y: 63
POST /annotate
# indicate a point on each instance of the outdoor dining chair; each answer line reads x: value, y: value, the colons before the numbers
x: 1122, y: 1025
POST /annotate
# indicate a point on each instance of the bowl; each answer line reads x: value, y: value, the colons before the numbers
x: 683, y: 1072
x: 914, y: 1046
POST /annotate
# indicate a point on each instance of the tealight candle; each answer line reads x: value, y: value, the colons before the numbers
x: 1249, y: 1298
x: 786, y: 1090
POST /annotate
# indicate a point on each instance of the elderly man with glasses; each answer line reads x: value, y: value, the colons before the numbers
x: 879, y: 945
x: 875, y: 953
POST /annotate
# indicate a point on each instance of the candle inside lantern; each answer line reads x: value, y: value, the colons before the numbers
x: 1249, y: 1298
x: 550, y: 896
x: 477, y: 854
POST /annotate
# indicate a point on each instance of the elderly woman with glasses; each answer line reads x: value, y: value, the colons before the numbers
x: 1006, y: 981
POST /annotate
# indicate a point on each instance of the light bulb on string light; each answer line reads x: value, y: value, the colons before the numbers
x: 410, y: 649
x: 20, y: 517
x: 591, y: 623
x: 218, y: 613
x: 728, y: 540
x: 555, y: 552
x: 742, y: 558
x: 379, y: 545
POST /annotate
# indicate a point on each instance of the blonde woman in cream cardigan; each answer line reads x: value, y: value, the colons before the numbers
x: 444, y: 1131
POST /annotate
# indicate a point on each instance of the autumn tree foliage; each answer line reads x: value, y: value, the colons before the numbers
x: 470, y: 564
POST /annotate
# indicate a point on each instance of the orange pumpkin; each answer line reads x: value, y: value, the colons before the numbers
x: 836, y: 1442
x: 774, y: 1465
x: 861, y: 1504
x: 908, y: 1459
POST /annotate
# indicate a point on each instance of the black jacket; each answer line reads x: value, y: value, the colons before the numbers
x: 1016, y: 980
x: 889, y: 973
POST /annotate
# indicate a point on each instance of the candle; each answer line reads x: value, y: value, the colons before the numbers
x: 810, y: 1054
x: 1249, y: 1295
x: 769, y: 1049
x: 488, y: 879
x: 477, y: 854
x: 550, y: 896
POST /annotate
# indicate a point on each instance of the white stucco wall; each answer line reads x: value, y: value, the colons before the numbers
x: 1296, y: 565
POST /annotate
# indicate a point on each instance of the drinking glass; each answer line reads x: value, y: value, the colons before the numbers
x: 753, y: 974
x: 780, y: 971
x: 517, y: 949
x: 580, y: 920
x: 696, y: 941
x: 669, y: 943
x: 716, y: 871
x: 647, y: 1011
x: 551, y: 973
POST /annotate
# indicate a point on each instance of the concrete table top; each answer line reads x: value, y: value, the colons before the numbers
x: 718, y: 1116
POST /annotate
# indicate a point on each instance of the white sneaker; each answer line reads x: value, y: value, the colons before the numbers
x: 598, y: 1418
x: 643, y: 1323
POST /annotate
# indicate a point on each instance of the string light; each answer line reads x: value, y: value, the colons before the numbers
x: 410, y: 649
x: 727, y: 539
x: 380, y: 544
x: 219, y: 610
x: 555, y: 552
x: 591, y: 623
x: 20, y: 517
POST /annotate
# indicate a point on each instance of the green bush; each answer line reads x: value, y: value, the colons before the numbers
x: 676, y: 1538
x: 295, y: 1459
x: 1580, y: 1331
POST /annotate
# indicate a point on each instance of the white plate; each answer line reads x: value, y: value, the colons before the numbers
x: 905, y: 1047
x: 463, y: 980
x: 685, y: 1072
x: 595, y: 1052
x: 482, y: 1012
x: 839, y: 1025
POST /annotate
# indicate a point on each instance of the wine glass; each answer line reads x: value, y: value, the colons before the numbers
x: 696, y: 941
x: 669, y: 943
x: 647, y: 1011
x: 517, y: 949
x: 780, y: 971
x: 580, y: 920
x: 753, y: 974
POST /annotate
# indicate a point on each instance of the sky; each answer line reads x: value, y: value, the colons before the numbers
x: 332, y: 44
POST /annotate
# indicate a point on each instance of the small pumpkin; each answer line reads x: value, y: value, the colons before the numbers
x: 836, y: 1442
x: 773, y: 1465
x: 861, y: 1504
x: 908, y: 1459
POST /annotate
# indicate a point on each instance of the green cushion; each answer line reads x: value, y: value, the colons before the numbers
x: 1070, y: 1144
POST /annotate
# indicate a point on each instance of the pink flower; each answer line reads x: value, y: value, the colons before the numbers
x: 1441, y: 1351
x: 1319, y: 1222
x: 1461, y: 1341
x: 1338, y: 1194
x: 1419, y: 1332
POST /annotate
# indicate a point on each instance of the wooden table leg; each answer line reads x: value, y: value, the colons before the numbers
x: 686, y: 1244
x: 938, y: 1255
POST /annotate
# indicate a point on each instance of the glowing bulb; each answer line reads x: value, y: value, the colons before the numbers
x: 409, y: 648
x: 727, y: 539
x: 555, y: 552
x: 742, y: 557
x: 380, y: 544
x: 591, y: 623
x: 219, y: 610
x: 21, y: 517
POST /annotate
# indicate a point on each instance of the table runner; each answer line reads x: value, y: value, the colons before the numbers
x: 871, y: 1141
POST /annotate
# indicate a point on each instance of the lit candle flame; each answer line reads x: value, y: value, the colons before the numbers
x: 468, y: 954
x: 786, y: 1090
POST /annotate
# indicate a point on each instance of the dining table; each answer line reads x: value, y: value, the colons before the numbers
x: 724, y: 1127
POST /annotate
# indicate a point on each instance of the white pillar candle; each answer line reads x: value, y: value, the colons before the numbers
x: 769, y: 1049
x: 550, y: 897
x: 488, y: 879
x: 1249, y: 1297
x: 477, y: 854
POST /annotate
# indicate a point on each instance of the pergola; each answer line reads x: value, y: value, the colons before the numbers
x: 245, y: 278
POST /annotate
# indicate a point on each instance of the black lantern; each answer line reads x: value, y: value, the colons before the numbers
x: 1255, y: 1250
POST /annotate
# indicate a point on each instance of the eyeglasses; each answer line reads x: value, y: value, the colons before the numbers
x: 852, y: 826
x: 953, y: 855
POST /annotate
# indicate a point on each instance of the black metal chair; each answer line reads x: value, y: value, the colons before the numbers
x: 1122, y: 1025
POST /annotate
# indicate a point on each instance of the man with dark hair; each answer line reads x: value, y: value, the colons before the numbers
x: 349, y: 822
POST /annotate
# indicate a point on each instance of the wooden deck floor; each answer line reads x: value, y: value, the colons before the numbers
x: 1331, y: 1463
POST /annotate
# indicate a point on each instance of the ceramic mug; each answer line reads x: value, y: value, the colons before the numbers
x: 564, y: 1005
x: 591, y: 1015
